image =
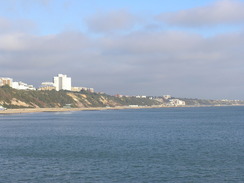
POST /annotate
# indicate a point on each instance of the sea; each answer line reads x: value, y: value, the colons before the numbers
x: 176, y: 145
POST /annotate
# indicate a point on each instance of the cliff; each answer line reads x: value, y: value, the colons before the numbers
x: 11, y: 98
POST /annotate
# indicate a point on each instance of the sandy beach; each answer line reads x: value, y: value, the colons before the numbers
x: 34, y: 110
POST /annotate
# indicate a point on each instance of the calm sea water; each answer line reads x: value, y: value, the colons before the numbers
x: 195, y: 145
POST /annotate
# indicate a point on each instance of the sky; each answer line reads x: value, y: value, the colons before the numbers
x: 184, y: 48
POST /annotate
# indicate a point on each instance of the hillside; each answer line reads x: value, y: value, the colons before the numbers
x: 204, y: 102
x: 11, y: 98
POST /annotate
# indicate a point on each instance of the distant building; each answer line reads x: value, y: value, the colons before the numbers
x: 166, y: 97
x: 78, y: 89
x: 47, y: 86
x: 6, y: 81
x: 177, y: 102
x: 16, y: 85
x: 62, y: 82
x: 67, y: 106
x: 118, y: 96
x: 22, y: 86
x: 91, y: 90
x: 138, y: 96
x: 2, y: 108
x: 133, y: 106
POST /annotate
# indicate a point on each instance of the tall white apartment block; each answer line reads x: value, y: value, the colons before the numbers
x: 62, y: 82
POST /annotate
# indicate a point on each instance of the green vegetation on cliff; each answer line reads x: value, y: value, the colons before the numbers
x: 11, y: 98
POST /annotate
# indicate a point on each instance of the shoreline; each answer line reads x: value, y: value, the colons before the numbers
x: 37, y: 110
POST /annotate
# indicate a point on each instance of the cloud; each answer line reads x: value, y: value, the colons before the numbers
x: 162, y: 42
x: 11, y: 42
x: 4, y: 24
x: 111, y: 21
x: 7, y: 26
x: 140, y: 62
x: 14, y: 34
x: 221, y: 12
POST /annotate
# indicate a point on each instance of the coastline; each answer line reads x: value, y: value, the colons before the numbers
x: 36, y: 110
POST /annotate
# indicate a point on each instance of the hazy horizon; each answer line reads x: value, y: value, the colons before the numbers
x: 185, y: 49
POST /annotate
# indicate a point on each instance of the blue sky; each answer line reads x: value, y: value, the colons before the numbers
x: 55, y: 16
x: 184, y: 48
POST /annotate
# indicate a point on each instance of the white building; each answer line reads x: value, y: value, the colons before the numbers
x: 62, y: 82
x: 177, y: 102
x: 22, y: 86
